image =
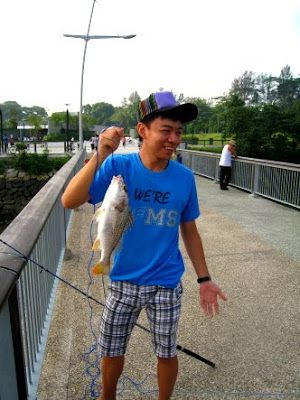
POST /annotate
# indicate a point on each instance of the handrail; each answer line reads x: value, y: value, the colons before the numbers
x: 24, y: 230
x: 275, y: 180
x: 39, y: 232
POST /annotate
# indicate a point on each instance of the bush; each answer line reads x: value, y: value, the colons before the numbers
x: 35, y: 164
x: 55, y: 137
x: 5, y: 163
x: 21, y: 147
x: 58, y: 162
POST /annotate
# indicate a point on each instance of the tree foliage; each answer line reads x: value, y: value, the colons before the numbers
x: 268, y: 132
x: 36, y: 121
x: 262, y: 112
x: 101, y: 112
x: 261, y: 89
x: 13, y: 113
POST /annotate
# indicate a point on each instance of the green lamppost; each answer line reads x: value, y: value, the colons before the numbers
x: 1, y: 130
x: 67, y: 128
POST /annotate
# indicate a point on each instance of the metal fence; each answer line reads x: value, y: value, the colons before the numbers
x: 37, y: 234
x: 276, y: 181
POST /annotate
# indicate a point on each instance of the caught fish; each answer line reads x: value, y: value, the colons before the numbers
x: 113, y: 218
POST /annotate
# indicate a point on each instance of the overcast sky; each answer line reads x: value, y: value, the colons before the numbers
x: 192, y: 47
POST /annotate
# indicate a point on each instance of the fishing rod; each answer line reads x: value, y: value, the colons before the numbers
x: 179, y: 347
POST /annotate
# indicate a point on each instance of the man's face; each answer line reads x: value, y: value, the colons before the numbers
x: 162, y: 137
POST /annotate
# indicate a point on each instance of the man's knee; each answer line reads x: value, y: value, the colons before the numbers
x: 167, y: 360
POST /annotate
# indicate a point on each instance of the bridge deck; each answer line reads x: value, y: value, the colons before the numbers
x: 252, y: 248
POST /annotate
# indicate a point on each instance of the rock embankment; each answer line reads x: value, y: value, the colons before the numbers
x: 17, y: 188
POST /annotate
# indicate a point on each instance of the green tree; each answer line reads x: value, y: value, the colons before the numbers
x: 262, y: 89
x: 36, y: 121
x: 58, y: 118
x: 134, y: 98
x: 205, y: 112
x: 218, y: 118
x: 267, y: 89
x: 241, y: 122
x: 10, y: 113
x: 101, y: 112
x: 37, y: 110
x: 245, y: 87
x: 288, y: 90
x: 87, y: 109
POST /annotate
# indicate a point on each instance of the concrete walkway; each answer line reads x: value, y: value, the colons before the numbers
x: 252, y: 249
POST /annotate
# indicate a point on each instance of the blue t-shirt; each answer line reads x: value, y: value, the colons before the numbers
x: 159, y: 201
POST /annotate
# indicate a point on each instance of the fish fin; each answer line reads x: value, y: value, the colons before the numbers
x: 96, y: 245
x: 118, y: 247
x: 130, y: 220
x: 98, y: 213
x: 99, y: 269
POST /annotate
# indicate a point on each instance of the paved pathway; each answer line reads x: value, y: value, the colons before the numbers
x: 252, y: 248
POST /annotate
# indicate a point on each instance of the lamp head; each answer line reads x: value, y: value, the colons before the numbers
x: 128, y: 36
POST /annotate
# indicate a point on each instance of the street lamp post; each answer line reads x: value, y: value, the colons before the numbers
x: 1, y: 130
x: 86, y: 38
x: 67, y: 127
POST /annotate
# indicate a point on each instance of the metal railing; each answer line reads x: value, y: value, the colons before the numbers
x: 276, y: 181
x: 38, y: 233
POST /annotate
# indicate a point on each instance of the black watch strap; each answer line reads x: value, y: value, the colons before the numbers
x: 204, y: 279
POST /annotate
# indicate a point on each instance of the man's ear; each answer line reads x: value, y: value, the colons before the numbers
x: 141, y: 129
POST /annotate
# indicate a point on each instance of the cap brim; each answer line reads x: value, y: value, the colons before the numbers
x: 184, y: 112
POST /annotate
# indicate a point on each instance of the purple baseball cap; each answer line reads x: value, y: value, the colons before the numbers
x: 165, y: 102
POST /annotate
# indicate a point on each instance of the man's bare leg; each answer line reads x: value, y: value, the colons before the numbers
x: 111, y: 370
x: 167, y: 370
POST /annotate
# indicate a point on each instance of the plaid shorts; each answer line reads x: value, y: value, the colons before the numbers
x: 123, y: 306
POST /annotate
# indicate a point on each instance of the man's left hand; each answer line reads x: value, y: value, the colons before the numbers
x: 209, y: 293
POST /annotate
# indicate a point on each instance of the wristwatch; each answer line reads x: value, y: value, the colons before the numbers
x: 204, y: 279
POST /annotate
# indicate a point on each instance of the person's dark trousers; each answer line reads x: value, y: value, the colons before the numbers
x: 225, y: 176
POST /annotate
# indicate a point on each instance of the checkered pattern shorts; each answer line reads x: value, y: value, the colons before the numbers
x: 123, y: 306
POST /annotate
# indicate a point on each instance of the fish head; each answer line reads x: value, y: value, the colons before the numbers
x: 116, y: 193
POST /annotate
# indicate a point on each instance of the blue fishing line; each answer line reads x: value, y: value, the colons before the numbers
x: 95, y: 388
x: 93, y: 370
x: 91, y: 357
x: 112, y: 154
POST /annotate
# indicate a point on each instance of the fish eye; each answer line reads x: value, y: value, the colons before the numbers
x: 125, y: 188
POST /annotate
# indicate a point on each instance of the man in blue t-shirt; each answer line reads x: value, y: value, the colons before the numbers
x: 147, y: 269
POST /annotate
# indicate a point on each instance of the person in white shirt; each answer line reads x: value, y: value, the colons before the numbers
x: 225, y: 163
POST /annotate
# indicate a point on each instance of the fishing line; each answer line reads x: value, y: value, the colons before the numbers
x: 94, y: 385
x: 92, y: 362
x: 181, y: 348
x: 91, y: 357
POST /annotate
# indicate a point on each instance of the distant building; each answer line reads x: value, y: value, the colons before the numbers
x: 98, y: 128
x: 25, y: 130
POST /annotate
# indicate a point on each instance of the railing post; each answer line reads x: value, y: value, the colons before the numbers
x: 254, y: 180
x: 12, y: 378
x: 17, y: 342
x: 216, y: 180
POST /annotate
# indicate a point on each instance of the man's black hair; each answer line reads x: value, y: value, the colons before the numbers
x: 164, y: 114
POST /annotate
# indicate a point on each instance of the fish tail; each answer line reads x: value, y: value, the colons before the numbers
x: 99, y: 269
